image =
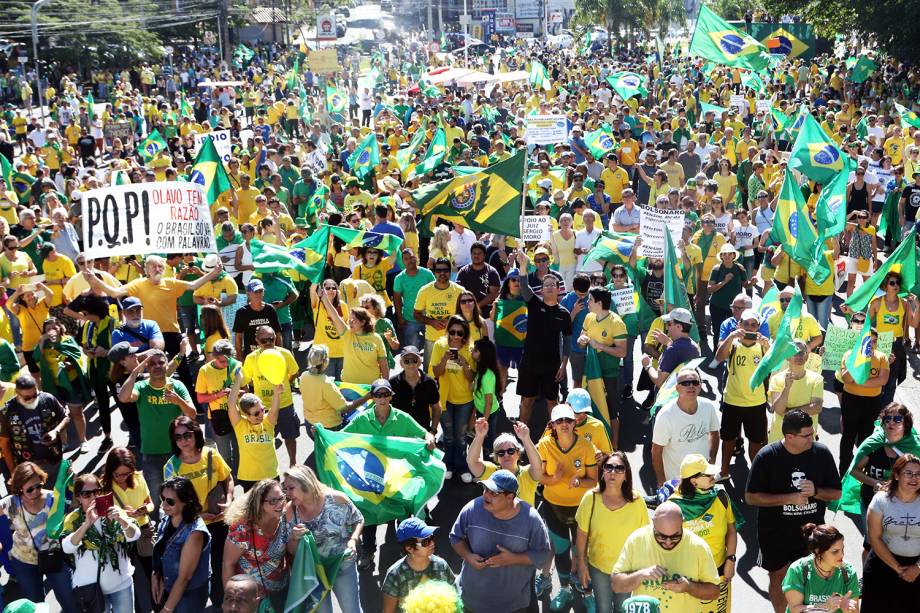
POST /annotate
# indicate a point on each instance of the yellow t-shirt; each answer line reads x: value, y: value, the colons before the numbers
x: 322, y: 401
x: 453, y: 384
x: 361, y: 353
x: 326, y: 332
x: 712, y: 526
x: 725, y: 183
x: 136, y: 497
x: 657, y: 325
x: 527, y: 487
x: 742, y: 362
x: 21, y: 263
x: 159, y: 300
x: 246, y: 202
x: 31, y: 320
x: 803, y: 390
x: 608, y: 530
x: 711, y: 257
x: 258, y: 459
x: 614, y: 182
x: 574, y: 461
x: 437, y: 304
x: 594, y: 431
x: 806, y: 329
x: 60, y: 269
x: 879, y: 361
x: 376, y: 276
x: 262, y: 388
x: 216, y: 288
x: 197, y: 473
x: 211, y: 340
x: 212, y: 379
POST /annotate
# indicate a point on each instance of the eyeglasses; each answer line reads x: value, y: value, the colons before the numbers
x: 459, y: 333
x: 167, y: 500
x: 892, y: 418
x: 708, y: 223
x: 123, y: 474
x: 671, y: 538
x: 88, y: 493
x: 32, y: 488
x: 425, y: 542
x: 564, y: 420
x: 274, y: 501
x: 467, y: 301
x: 689, y: 383
x: 382, y: 394
x: 500, y: 453
x: 614, y: 468
x: 183, y: 436
x: 910, y: 474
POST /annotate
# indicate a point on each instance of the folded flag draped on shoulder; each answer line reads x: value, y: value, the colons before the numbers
x: 716, y: 40
x: 510, y: 322
x: 208, y: 171
x: 628, y: 84
x: 594, y: 383
x: 151, y: 146
x: 600, y: 141
x: 387, y: 478
x: 55, y: 524
x: 859, y: 360
x: 668, y: 391
x: 538, y: 76
x: 312, y: 577
x: 365, y: 157
x: 903, y: 260
x: 815, y: 154
x: 782, y: 348
x: 908, y: 117
x: 486, y: 201
x: 307, y: 257
x: 613, y: 247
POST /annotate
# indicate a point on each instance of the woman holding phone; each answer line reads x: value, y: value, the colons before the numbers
x: 96, y: 535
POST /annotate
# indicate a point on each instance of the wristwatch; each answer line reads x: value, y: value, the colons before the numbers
x: 732, y: 557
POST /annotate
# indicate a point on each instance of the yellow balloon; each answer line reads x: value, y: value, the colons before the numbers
x: 272, y: 366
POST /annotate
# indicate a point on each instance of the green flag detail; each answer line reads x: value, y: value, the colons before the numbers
x: 628, y: 84
x: 815, y: 154
x: 718, y: 41
x: 307, y: 257
x: 437, y: 149
x: 902, y: 260
x: 859, y: 358
x: 208, y: 171
x: 55, y: 524
x: 782, y: 348
x: 151, y: 146
x: 365, y: 156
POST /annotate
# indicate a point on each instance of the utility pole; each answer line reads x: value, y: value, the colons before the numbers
x: 431, y: 36
x: 38, y: 80
x: 224, y: 31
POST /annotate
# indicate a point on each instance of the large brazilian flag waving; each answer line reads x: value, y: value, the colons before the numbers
x: 718, y: 41
x: 386, y: 477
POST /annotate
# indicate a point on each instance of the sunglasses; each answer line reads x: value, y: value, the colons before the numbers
x: 382, y: 394
x: 467, y: 301
x: 459, y: 333
x: 893, y: 282
x: 672, y: 538
x: 425, y: 542
x: 614, y: 468
x: 892, y: 418
x: 167, y: 500
x: 183, y: 436
x: 565, y: 420
x: 617, y: 276
x: 88, y: 493
x: 410, y: 360
x: 500, y: 453
x: 541, y: 260
x: 785, y: 300
x: 861, y: 320
x: 32, y: 488
x: 689, y: 383
x: 256, y: 413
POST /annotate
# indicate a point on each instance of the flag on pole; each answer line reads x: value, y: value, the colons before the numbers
x: 675, y: 291
x: 600, y: 141
x: 437, y: 149
x: 908, y: 117
x: 538, y: 76
x: 336, y: 100
x: 862, y: 70
x: 151, y: 146
x: 628, y: 84
x: 55, y: 524
x: 90, y: 106
x: 859, y: 359
x: 208, y: 171
x: 365, y: 156
x: 782, y: 348
x: 387, y: 477
x: 510, y: 322
x: 404, y: 156
x: 902, y: 260
x: 716, y: 40
x: 831, y: 210
x: 816, y: 155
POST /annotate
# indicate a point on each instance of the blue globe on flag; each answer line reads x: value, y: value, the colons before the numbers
x: 731, y: 43
x: 372, y: 240
x: 865, y: 348
x: 793, y: 224
x: 364, y: 157
x: 197, y: 177
x: 826, y: 156
x: 779, y: 45
x: 361, y: 469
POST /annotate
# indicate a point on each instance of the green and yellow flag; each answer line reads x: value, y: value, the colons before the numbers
x: 600, y: 141
x: 613, y: 247
x: 208, y: 171
x: 365, y: 157
x: 389, y: 243
x: 386, y: 477
x: 668, y: 391
x: 510, y: 322
x: 55, y: 524
x: 90, y: 106
x: 437, y: 149
x: 908, y: 117
x: 307, y: 257
x: 594, y: 383
x: 538, y: 77
x: 831, y: 210
x: 628, y: 84
x: 6, y: 171
x: 336, y: 100
x: 404, y: 156
x: 782, y: 42
x: 815, y: 154
x: 675, y: 290
x: 718, y: 41
x: 151, y: 146
x: 486, y: 201
x: 312, y: 577
x: 862, y: 70
x: 859, y: 360
x: 902, y: 260
x: 782, y: 348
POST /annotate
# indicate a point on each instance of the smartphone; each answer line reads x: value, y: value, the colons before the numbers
x: 453, y: 353
x: 750, y: 336
x: 103, y: 504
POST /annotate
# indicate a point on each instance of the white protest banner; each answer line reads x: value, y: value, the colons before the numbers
x: 624, y: 300
x: 221, y: 140
x: 763, y: 105
x: 547, y: 129
x: 838, y: 340
x: 739, y: 102
x: 245, y: 137
x: 141, y: 218
x: 535, y: 228
x: 652, y: 224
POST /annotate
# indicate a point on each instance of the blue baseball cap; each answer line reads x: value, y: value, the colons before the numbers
x: 501, y: 481
x: 580, y: 400
x: 130, y: 302
x: 413, y: 528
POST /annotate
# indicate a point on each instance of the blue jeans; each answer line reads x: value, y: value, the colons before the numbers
x: 121, y: 601
x: 412, y: 333
x: 31, y: 581
x: 455, y: 422
x: 287, y: 336
x: 152, y: 467
x: 345, y: 589
x: 605, y: 598
x: 820, y: 309
x: 226, y: 445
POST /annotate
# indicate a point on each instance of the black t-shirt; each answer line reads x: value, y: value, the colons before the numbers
x: 478, y: 281
x: 248, y: 319
x: 416, y: 401
x: 879, y: 467
x: 545, y: 325
x: 87, y: 145
x: 25, y: 429
x: 776, y: 471
x: 652, y: 288
x: 911, y: 195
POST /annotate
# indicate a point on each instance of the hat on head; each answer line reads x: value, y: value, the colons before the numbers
x: 501, y: 481
x: 121, y: 350
x: 749, y: 314
x: 561, y: 411
x: 255, y: 286
x: 352, y: 183
x: 381, y: 384
x: 210, y: 262
x: 728, y: 248
x: 695, y: 464
x: 410, y: 350
x: 545, y: 184
x: 130, y: 303
x: 413, y: 528
x: 541, y: 251
x: 580, y: 400
x: 514, y: 273
x: 681, y: 315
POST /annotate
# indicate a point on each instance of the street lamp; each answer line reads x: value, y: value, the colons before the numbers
x: 38, y: 81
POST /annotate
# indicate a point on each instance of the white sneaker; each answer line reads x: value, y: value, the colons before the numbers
x: 466, y: 478
x: 448, y: 475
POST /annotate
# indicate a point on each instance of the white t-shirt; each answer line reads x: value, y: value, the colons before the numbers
x: 459, y: 246
x: 680, y: 433
x: 584, y: 240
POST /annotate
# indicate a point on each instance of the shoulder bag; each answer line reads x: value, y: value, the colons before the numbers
x: 50, y: 560
x: 218, y: 494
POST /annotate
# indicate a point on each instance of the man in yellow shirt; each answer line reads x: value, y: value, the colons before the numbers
x: 246, y: 197
x: 615, y: 178
x: 435, y: 303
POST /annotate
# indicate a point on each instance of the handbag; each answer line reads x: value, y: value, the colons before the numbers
x: 143, y: 546
x: 89, y: 598
x: 50, y: 560
x: 216, y: 496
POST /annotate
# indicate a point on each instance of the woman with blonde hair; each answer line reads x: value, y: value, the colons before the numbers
x: 257, y: 540
x: 323, y: 402
x: 335, y: 524
x: 562, y: 243
x: 440, y: 246
x: 410, y: 231
x: 365, y: 357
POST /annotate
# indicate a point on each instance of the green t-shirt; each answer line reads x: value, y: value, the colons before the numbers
x: 408, y: 286
x: 723, y: 297
x: 398, y: 423
x: 486, y: 386
x: 289, y: 177
x: 186, y: 298
x: 816, y: 588
x: 155, y: 414
x: 383, y: 324
x: 641, y: 604
x: 276, y: 290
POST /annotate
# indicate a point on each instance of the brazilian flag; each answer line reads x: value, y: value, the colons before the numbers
x: 675, y: 290
x: 600, y: 141
x: 594, y: 383
x: 312, y: 577
x: 718, y: 41
x: 208, y: 171
x: 6, y: 171
x: 151, y: 146
x: 307, y: 257
x: 716, y: 110
x: 908, y: 117
x: 613, y: 247
x: 336, y: 100
x: 793, y: 229
x: 510, y: 322
x: 769, y: 304
x: 404, y: 156
x: 365, y: 156
x: 859, y: 360
x: 862, y: 70
x: 815, y: 154
x: 902, y: 260
x: 486, y: 201
x: 783, y: 42
x: 22, y: 184
x: 386, y: 477
x: 831, y: 210
x: 55, y: 524
x: 437, y: 149
x: 628, y: 84
x: 353, y: 391
x: 782, y: 348
x: 389, y: 243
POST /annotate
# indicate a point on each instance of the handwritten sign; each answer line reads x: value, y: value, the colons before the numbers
x: 535, y: 228
x: 652, y: 225
x: 625, y: 300
x: 838, y: 340
x: 738, y: 101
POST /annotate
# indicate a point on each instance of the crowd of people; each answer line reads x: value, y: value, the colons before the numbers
x: 221, y: 369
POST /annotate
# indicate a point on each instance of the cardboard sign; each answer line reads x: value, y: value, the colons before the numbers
x: 119, y: 129
x: 625, y: 300
x: 547, y: 129
x: 142, y: 218
x: 652, y: 225
x: 838, y: 340
x: 739, y: 102
x: 222, y: 143
x: 324, y: 61
x: 764, y: 105
x: 535, y: 228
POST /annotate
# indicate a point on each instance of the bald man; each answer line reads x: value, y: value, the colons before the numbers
x: 241, y: 595
x: 662, y: 561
